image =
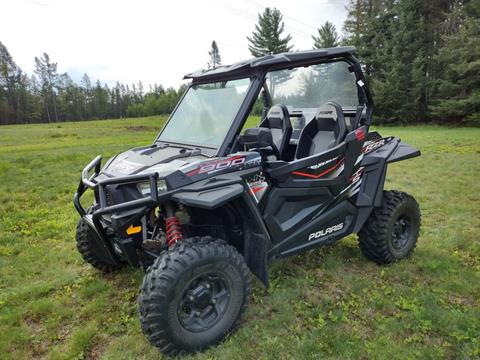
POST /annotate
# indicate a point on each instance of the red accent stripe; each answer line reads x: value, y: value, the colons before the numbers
x: 313, y: 176
x: 193, y: 172
x: 257, y: 189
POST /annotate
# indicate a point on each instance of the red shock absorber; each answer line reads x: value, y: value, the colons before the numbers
x: 173, y: 229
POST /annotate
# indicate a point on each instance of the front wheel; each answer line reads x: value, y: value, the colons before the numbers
x: 391, y: 231
x: 193, y: 295
x: 91, y: 252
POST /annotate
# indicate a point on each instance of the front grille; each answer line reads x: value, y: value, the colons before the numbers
x: 108, y: 196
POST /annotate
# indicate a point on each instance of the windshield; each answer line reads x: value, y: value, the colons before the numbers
x: 205, y: 113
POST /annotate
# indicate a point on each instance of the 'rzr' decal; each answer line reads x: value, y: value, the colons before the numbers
x: 375, y: 144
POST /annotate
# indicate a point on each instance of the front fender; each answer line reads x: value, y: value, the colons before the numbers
x: 209, y: 198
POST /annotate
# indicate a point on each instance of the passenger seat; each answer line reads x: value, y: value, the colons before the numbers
x: 323, y: 132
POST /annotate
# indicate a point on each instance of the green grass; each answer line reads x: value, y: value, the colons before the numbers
x: 328, y: 303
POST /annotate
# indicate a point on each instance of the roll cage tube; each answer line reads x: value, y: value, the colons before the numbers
x: 258, y: 82
x: 363, y: 90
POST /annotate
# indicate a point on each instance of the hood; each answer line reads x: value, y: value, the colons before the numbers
x: 162, y: 160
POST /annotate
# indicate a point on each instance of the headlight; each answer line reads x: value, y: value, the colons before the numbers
x: 144, y: 187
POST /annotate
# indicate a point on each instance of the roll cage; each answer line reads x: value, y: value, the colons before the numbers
x: 256, y: 69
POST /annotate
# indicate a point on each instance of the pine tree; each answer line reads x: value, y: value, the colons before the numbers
x: 356, y: 26
x: 70, y: 99
x: 267, y: 38
x: 48, y: 76
x: 86, y: 89
x: 368, y: 22
x: 456, y: 94
x: 399, y: 66
x: 327, y: 36
x: 34, y: 111
x: 10, y: 87
x: 140, y: 91
x: 214, y: 53
x: 100, y: 100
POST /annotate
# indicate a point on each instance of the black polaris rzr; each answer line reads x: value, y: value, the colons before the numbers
x: 205, y: 203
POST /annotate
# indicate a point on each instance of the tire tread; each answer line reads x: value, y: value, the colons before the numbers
x: 373, y: 237
x: 171, y: 263
x: 85, y: 249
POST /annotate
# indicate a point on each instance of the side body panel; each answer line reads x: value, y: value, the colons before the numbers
x: 330, y: 197
x: 307, y: 208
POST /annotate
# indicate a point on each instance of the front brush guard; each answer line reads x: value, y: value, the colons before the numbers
x: 89, y: 182
x: 102, y: 244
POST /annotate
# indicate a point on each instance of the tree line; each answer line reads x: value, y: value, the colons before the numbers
x: 421, y: 58
x: 48, y: 96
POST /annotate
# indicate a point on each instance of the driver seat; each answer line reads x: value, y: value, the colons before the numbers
x: 278, y: 121
x: 326, y: 130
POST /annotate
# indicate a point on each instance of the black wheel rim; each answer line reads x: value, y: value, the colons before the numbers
x: 204, y: 302
x: 401, y: 232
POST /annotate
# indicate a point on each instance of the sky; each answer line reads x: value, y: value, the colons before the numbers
x: 147, y: 40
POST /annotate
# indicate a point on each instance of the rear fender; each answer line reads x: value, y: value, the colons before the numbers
x: 379, y: 153
x: 403, y: 152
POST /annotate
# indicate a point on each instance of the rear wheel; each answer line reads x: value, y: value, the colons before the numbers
x: 193, y: 295
x: 391, y: 231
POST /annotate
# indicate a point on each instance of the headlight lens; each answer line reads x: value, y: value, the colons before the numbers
x: 144, y: 187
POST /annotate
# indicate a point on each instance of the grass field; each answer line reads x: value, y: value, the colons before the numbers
x: 329, y: 303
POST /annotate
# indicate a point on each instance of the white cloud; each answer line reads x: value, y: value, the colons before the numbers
x: 147, y: 40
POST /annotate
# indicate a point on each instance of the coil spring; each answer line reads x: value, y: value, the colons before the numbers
x: 173, y: 230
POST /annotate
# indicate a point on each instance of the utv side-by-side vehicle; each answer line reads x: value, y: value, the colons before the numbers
x: 218, y: 195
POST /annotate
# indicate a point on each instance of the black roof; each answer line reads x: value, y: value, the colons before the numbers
x: 267, y: 61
